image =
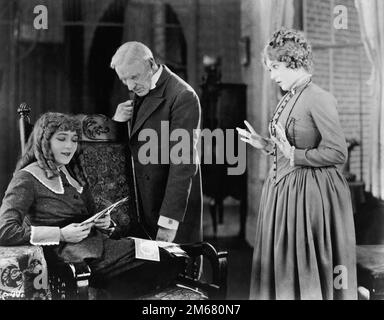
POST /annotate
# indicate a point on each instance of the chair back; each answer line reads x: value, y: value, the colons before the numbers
x: 106, y: 161
x: 25, y: 127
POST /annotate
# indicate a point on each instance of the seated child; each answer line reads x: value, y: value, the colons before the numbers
x: 46, y: 201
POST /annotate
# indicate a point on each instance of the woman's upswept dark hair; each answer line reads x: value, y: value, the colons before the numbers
x: 289, y: 46
x: 38, y: 147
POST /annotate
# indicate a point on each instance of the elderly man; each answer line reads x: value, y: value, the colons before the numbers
x: 170, y: 194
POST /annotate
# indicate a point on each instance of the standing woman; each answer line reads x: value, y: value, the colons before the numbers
x: 305, y: 236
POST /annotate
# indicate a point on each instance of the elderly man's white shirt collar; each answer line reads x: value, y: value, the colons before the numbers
x: 156, y: 77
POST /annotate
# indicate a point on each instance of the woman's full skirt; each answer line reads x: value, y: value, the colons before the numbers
x: 305, y: 238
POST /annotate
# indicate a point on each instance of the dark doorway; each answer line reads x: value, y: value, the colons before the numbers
x: 74, y: 53
x: 107, y: 39
x: 176, y: 47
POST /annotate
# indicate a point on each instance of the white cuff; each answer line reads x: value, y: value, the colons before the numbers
x: 118, y: 120
x: 45, y: 236
x: 292, y: 156
x: 168, y: 223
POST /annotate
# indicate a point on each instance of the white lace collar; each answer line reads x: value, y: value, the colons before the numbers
x: 54, y: 184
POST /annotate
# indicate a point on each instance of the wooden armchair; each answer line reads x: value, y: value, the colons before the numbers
x: 106, y: 162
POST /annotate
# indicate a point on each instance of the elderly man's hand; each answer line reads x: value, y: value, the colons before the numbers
x: 124, y: 111
x: 167, y: 235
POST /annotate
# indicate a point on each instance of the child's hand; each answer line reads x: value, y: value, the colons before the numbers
x: 103, y: 222
x: 75, y: 232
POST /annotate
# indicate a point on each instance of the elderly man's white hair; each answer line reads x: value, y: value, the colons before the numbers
x: 129, y: 52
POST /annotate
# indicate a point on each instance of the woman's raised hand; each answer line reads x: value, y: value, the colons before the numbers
x: 252, y: 137
x: 282, y: 141
x: 75, y: 232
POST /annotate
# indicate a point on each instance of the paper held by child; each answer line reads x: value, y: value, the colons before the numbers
x: 104, y: 211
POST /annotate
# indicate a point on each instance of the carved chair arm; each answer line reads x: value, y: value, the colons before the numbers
x: 70, y: 280
x: 217, y: 289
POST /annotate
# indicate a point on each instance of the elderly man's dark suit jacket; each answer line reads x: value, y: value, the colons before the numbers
x: 171, y: 190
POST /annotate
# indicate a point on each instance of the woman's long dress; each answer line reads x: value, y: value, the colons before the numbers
x: 305, y: 237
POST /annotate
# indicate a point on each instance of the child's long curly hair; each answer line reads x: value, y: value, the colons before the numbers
x: 38, y: 147
x: 289, y: 46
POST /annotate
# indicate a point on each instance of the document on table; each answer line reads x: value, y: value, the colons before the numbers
x: 146, y: 249
x: 149, y: 249
x: 173, y: 248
